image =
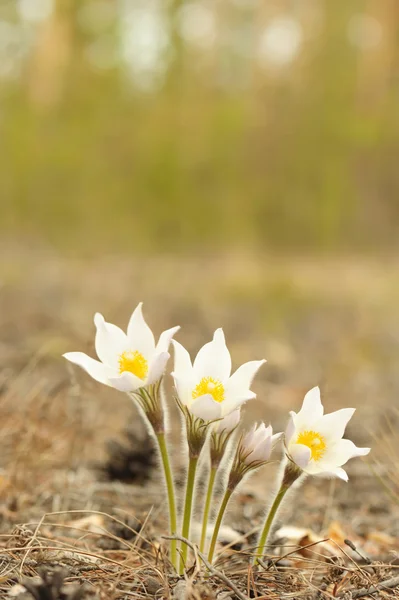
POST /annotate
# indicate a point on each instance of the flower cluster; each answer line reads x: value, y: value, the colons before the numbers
x: 210, y: 399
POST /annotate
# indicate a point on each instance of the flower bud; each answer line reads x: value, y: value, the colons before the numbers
x: 258, y: 444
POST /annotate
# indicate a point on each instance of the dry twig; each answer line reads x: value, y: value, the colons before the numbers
x: 208, y: 565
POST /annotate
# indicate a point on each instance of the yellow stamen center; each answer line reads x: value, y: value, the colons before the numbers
x: 133, y: 362
x: 209, y: 385
x: 314, y: 441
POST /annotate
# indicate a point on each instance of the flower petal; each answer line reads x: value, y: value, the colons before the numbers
x: 157, y: 367
x: 262, y: 451
x: 247, y: 440
x: 213, y: 359
x: 290, y: 430
x: 184, y: 388
x: 332, y: 426
x: 344, y: 450
x: 261, y: 433
x: 94, y: 368
x: 126, y: 382
x: 183, y: 366
x: 229, y: 422
x: 312, y: 408
x: 338, y: 472
x: 300, y: 454
x: 165, y: 338
x: 241, y: 380
x: 139, y: 334
x: 110, y: 341
x: 233, y: 402
x: 206, y: 408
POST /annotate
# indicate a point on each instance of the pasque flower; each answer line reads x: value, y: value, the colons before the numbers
x: 129, y: 361
x: 207, y: 388
x: 257, y: 445
x: 314, y: 440
x: 253, y: 451
x: 314, y: 445
x: 206, y: 392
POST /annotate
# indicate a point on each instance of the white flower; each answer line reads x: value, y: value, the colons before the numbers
x: 314, y: 440
x: 228, y: 423
x: 206, y: 388
x: 128, y: 362
x: 257, y: 444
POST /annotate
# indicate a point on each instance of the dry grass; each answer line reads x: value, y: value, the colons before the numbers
x: 335, y: 323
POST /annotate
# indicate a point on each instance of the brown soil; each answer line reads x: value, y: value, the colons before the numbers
x: 334, y: 323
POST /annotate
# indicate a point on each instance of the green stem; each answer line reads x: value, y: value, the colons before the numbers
x: 171, y: 495
x: 222, y: 509
x: 269, y: 520
x: 188, y: 505
x: 211, y: 483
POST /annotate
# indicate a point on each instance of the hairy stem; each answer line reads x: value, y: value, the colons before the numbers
x: 209, y: 494
x: 219, y: 519
x: 163, y: 449
x: 269, y: 520
x: 188, y: 505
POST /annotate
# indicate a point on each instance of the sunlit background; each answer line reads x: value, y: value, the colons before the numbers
x: 193, y: 125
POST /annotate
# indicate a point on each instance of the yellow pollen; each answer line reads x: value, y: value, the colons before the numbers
x: 209, y: 385
x: 133, y: 362
x: 314, y: 441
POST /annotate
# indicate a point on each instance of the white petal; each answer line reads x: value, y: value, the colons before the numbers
x: 157, y: 367
x: 290, y: 430
x: 94, y: 368
x: 262, y: 451
x: 338, y: 472
x: 312, y: 408
x: 183, y: 367
x: 247, y: 440
x: 213, y: 359
x: 229, y: 422
x: 231, y: 403
x: 240, y: 382
x: 228, y: 407
x: 344, y: 450
x: 126, y: 382
x: 165, y: 338
x: 184, y: 387
x: 300, y: 454
x: 332, y: 426
x: 205, y: 407
x: 110, y: 342
x: 260, y: 434
x: 140, y: 335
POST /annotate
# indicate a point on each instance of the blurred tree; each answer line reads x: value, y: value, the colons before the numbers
x: 186, y: 124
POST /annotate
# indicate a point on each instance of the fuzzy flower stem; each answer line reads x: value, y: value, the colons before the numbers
x: 211, y: 483
x: 163, y: 449
x: 269, y: 520
x: 291, y: 474
x: 219, y: 519
x: 188, y: 505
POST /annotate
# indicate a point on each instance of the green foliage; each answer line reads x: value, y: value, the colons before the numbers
x: 305, y: 161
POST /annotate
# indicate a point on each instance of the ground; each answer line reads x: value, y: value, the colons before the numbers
x: 65, y: 499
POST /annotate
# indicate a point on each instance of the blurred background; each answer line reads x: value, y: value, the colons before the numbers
x: 229, y: 162
x: 198, y: 125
